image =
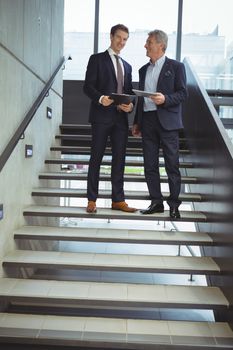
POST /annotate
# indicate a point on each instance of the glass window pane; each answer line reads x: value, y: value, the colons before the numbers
x: 208, y: 41
x: 230, y: 134
x: 140, y: 19
x: 78, y: 37
x: 226, y: 112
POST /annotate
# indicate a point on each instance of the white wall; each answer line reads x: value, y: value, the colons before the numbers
x: 31, y: 47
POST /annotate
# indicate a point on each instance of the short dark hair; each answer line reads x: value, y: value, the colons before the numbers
x: 160, y: 37
x: 119, y: 27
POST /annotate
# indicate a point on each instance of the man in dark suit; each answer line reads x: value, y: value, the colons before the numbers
x: 158, y: 119
x: 108, y: 73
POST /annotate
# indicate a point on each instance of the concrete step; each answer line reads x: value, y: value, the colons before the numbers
x: 74, y: 139
x: 107, y: 213
x: 81, y: 136
x: 112, y: 235
x: 85, y: 161
x: 68, y: 175
x: 82, y: 129
x: 82, y: 193
x: 76, y: 128
x: 113, y: 333
x: 118, y: 262
x: 86, y: 150
x: 111, y: 295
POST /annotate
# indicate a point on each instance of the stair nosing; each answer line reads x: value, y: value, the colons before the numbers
x: 141, y: 195
x: 127, y: 294
x: 121, y: 333
x: 108, y: 162
x: 105, y: 177
x: 107, y: 213
x: 119, y: 262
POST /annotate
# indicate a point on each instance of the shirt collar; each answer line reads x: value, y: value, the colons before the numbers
x: 111, y: 52
x: 159, y: 62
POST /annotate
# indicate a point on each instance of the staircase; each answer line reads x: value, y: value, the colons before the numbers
x: 112, y: 280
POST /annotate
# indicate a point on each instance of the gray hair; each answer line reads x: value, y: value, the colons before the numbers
x: 160, y: 37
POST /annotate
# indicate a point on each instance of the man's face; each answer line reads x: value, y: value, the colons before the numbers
x: 118, y: 40
x: 154, y: 50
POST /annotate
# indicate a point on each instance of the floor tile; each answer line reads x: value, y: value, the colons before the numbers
x: 23, y: 321
x: 147, y: 327
x: 199, y: 329
x: 108, y: 291
x: 63, y: 323
x: 32, y: 287
x: 219, y: 330
x: 106, y: 325
x: 147, y: 293
x: 69, y: 289
x: 110, y: 259
x: 6, y: 285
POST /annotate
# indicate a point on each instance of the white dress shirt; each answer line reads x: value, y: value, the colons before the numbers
x: 151, y: 81
x: 113, y: 58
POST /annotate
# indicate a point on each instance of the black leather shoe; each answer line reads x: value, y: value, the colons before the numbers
x: 153, y: 208
x: 174, y: 213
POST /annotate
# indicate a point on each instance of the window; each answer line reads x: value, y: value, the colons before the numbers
x: 208, y: 40
x: 78, y: 36
x: 140, y: 18
x: 79, y: 26
x: 207, y: 34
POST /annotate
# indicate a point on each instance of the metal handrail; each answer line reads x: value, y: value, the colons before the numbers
x: 220, y: 92
x: 27, y: 119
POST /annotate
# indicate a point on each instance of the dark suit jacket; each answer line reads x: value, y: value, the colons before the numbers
x: 171, y: 83
x: 101, y: 80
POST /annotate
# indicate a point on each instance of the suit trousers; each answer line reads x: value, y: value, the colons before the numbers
x: 117, y: 131
x: 155, y: 136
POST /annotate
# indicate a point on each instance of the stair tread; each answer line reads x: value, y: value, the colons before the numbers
x: 86, y: 150
x: 122, y: 294
x: 83, y: 176
x: 118, y: 332
x: 70, y: 192
x: 75, y: 126
x: 83, y: 161
x: 78, y: 127
x: 122, y: 235
x: 116, y: 262
x: 89, y: 137
x: 118, y: 235
x: 58, y: 211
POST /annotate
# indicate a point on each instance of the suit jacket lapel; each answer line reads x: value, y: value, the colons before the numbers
x: 110, y: 64
x: 143, y: 76
x: 126, y: 71
x: 163, y: 70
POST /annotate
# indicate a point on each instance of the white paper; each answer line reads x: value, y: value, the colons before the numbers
x: 143, y: 93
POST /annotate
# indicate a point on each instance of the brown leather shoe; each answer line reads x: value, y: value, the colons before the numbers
x: 91, y: 207
x: 123, y: 206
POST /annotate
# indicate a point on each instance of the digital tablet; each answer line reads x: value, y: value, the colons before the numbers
x: 121, y: 98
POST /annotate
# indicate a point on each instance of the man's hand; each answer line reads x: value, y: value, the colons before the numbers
x: 136, y: 131
x: 106, y: 101
x: 158, y: 98
x: 126, y: 108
